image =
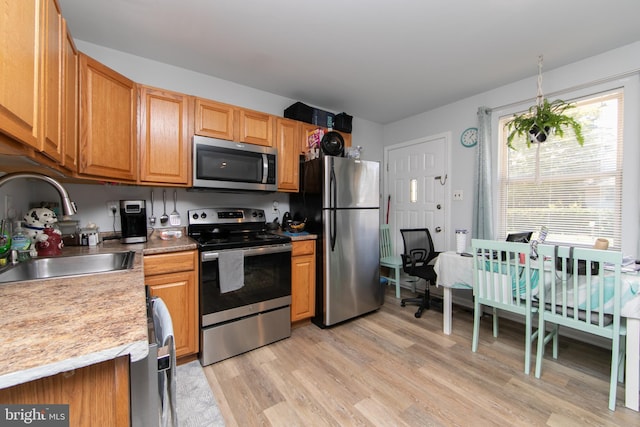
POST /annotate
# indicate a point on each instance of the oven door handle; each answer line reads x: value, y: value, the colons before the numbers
x: 261, y: 250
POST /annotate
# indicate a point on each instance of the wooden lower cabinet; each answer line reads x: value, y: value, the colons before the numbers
x: 303, y: 280
x: 97, y: 395
x: 174, y: 278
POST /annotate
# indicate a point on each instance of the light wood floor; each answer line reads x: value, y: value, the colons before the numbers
x: 391, y: 369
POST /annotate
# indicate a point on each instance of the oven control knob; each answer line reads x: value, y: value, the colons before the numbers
x: 203, y: 215
x: 194, y: 216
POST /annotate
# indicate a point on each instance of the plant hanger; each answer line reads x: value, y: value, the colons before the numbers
x: 539, y: 94
x: 543, y: 120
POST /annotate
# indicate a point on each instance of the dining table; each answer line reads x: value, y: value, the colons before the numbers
x: 455, y: 271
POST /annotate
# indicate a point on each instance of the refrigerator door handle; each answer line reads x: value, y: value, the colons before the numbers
x: 333, y: 203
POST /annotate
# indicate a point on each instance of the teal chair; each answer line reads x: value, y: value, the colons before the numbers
x: 598, y: 310
x: 504, y: 279
x: 389, y: 259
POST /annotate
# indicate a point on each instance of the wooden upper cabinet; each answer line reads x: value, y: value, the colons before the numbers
x: 51, y: 68
x: 20, y: 70
x: 70, y: 99
x: 346, y: 137
x: 107, y: 147
x: 287, y: 143
x: 165, y: 136
x: 214, y: 119
x: 308, y: 129
x: 255, y: 127
x: 225, y: 121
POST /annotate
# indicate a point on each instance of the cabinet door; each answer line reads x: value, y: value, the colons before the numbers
x: 19, y: 70
x: 255, y: 127
x: 70, y: 109
x: 94, y: 393
x: 303, y: 280
x: 176, y: 290
x: 52, y: 99
x: 287, y: 143
x: 174, y: 278
x: 214, y: 119
x: 347, y: 139
x: 107, y: 147
x: 307, y: 131
x: 164, y: 137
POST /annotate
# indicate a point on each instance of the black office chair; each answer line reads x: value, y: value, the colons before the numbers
x: 417, y: 261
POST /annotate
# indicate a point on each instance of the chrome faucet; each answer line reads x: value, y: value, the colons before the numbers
x: 68, y: 207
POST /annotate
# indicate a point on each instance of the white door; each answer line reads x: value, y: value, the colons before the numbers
x: 416, y: 182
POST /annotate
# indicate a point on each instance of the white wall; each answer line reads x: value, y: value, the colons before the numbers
x: 458, y: 116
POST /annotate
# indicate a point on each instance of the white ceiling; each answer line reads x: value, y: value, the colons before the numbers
x: 380, y: 60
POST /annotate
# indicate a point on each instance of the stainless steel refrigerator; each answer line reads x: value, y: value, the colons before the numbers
x: 340, y: 200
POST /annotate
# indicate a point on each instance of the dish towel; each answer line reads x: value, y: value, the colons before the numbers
x: 231, y: 267
x: 166, y: 379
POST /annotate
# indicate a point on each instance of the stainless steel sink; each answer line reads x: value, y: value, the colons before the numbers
x: 44, y: 268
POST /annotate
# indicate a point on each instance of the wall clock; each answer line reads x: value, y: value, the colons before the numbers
x: 469, y: 137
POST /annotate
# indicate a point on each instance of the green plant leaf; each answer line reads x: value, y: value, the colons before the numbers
x: 548, y: 115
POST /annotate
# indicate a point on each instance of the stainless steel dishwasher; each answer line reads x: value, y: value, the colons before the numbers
x: 152, y: 379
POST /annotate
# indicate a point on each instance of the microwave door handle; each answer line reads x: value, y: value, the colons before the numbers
x: 265, y: 168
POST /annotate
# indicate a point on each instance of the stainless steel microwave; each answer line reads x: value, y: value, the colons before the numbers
x: 232, y: 165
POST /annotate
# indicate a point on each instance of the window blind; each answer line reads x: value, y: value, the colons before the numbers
x: 576, y: 191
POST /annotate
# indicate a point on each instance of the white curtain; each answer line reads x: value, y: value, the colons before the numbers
x: 482, y: 204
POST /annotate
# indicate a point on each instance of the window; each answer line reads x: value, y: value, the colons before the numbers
x: 575, y: 191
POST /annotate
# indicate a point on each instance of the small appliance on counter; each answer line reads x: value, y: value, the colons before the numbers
x: 70, y: 232
x: 133, y: 221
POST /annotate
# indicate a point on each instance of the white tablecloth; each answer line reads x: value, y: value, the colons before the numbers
x: 456, y: 272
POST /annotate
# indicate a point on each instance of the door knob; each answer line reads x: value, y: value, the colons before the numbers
x: 438, y: 229
x: 438, y: 206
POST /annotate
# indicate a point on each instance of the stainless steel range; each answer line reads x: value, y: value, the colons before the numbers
x: 245, y: 281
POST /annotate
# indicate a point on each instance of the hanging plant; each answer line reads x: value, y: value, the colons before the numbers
x: 543, y: 120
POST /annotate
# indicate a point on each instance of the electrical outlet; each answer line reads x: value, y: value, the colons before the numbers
x: 112, y: 208
x: 457, y: 195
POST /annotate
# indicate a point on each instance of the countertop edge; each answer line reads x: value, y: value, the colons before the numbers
x: 136, y: 351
